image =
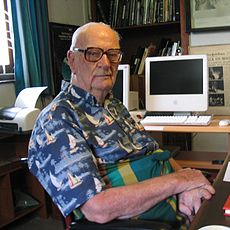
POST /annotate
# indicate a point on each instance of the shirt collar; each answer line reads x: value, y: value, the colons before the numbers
x: 79, y: 93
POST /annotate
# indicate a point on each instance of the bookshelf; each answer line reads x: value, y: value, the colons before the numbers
x: 14, y: 178
x: 142, y: 35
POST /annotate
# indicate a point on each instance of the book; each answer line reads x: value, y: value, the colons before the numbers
x: 151, y: 12
x: 137, y: 14
x: 127, y: 12
x: 132, y: 13
x: 101, y: 12
x: 119, y: 13
x: 162, y: 43
x: 138, y: 57
x: 164, y: 49
x: 135, y: 60
x: 145, y: 12
x: 122, y: 13
x: 111, y: 12
x: 226, y: 207
x: 142, y: 62
x: 177, y: 10
x: 115, y: 12
x: 174, y: 48
x: 160, y: 11
x: 147, y: 52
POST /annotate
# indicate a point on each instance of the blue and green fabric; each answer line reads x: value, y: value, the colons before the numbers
x: 139, y: 169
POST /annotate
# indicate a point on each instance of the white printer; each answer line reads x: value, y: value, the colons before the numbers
x: 22, y: 116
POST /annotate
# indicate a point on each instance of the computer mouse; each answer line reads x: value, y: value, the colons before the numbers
x: 224, y: 122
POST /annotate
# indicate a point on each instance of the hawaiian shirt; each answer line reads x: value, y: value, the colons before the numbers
x: 74, y: 134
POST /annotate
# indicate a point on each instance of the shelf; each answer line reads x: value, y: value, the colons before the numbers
x: 25, y: 211
x: 200, y: 160
x: 143, y: 35
x: 162, y: 25
x: 11, y: 165
x: 14, y: 174
x: 4, y: 221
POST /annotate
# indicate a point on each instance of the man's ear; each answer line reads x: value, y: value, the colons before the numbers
x: 70, y: 58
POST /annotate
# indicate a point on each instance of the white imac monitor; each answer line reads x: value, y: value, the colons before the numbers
x: 122, y: 85
x: 177, y: 83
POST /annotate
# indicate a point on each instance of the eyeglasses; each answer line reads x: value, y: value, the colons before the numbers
x: 93, y: 54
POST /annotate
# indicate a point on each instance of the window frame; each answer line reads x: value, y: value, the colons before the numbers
x: 7, y: 71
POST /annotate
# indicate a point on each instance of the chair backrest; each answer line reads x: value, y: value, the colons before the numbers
x: 128, y: 224
x: 67, y: 222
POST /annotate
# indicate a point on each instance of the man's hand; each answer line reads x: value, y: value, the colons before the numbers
x: 190, y: 179
x: 190, y: 201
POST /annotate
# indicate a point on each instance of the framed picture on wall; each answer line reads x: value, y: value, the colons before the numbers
x: 61, y: 36
x: 219, y: 76
x: 207, y: 15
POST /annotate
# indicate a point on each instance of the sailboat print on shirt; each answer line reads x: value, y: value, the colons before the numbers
x: 50, y: 138
x: 73, y: 181
x: 55, y: 181
x: 92, y: 120
x: 98, y: 185
x: 53, y: 107
x: 100, y: 142
x: 86, y: 134
x: 73, y: 92
x: 109, y: 120
x: 39, y: 140
x: 127, y: 149
x: 139, y: 126
x: 72, y: 143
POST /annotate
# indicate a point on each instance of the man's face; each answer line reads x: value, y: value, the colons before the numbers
x: 96, y: 77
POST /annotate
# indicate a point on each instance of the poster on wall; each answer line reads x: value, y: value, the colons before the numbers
x: 219, y: 76
x: 61, y: 36
x: 208, y: 15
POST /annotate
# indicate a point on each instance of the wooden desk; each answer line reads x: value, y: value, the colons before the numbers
x: 198, y: 159
x: 211, y: 212
x: 212, y: 128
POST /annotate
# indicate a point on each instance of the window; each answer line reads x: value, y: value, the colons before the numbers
x: 6, y: 42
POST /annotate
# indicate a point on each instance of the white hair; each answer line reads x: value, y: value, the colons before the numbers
x: 83, y: 29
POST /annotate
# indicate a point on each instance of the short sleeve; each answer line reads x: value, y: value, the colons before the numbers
x: 61, y: 159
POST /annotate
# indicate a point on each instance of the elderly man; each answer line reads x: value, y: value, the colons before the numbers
x: 93, y: 158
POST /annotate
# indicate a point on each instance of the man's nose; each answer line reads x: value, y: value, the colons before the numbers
x: 105, y: 59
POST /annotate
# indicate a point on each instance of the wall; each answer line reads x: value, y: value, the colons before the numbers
x: 210, y: 142
x: 210, y: 38
x: 7, y: 94
x: 72, y: 12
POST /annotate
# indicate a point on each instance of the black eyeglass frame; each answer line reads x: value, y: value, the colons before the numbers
x: 102, y: 53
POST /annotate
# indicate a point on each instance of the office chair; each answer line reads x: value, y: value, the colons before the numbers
x: 128, y: 224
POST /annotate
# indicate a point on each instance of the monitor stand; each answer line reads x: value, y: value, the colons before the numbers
x: 158, y: 113
x: 163, y: 113
x: 182, y: 113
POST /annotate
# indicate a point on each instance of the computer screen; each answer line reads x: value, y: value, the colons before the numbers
x: 177, y: 83
x: 122, y: 85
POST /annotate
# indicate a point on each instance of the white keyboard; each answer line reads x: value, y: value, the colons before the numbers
x: 177, y: 120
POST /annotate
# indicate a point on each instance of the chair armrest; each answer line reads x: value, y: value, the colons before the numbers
x: 121, y: 225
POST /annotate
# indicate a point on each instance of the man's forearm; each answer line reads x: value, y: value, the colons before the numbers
x: 131, y: 200
x: 127, y: 201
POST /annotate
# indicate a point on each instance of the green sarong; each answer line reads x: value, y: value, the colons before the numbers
x: 141, y: 168
x: 138, y: 169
